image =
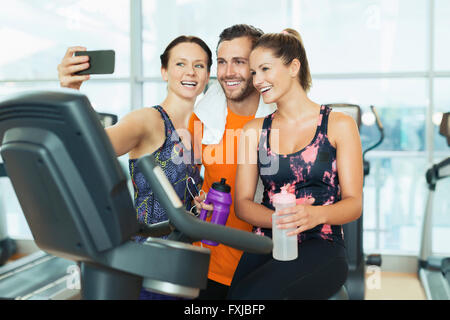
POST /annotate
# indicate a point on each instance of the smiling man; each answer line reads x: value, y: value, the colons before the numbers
x: 216, y: 125
x: 234, y: 75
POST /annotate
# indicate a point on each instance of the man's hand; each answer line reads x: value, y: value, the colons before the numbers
x: 69, y: 66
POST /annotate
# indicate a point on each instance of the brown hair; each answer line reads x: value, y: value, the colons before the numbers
x: 181, y: 39
x: 240, y: 30
x: 288, y: 45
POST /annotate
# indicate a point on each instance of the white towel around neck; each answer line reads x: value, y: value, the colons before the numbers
x: 212, y: 111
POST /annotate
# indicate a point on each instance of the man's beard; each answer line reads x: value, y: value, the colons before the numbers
x: 243, y: 94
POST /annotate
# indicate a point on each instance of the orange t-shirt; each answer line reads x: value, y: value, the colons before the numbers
x: 220, y: 161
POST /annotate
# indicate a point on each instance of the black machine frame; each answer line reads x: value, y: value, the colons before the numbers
x: 74, y: 195
x: 75, y: 198
x: 353, y: 231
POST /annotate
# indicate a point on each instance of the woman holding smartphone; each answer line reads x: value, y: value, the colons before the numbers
x: 161, y: 130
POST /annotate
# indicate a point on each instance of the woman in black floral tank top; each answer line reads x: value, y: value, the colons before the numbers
x: 313, y: 153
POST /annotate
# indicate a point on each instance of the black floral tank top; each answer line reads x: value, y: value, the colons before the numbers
x: 309, y: 172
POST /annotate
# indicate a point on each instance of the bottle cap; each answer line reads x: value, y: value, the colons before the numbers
x: 221, y: 186
x: 283, y: 197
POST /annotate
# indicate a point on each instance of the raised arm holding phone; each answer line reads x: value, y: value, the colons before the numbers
x: 160, y: 130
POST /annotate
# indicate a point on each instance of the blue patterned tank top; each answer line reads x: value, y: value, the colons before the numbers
x: 177, y: 162
x: 309, y: 172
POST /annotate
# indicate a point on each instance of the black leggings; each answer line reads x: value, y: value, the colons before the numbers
x: 318, y: 273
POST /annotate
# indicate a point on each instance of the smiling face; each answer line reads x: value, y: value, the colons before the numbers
x: 187, y: 70
x: 271, y: 77
x: 233, y: 70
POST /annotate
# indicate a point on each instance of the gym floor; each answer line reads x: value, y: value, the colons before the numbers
x: 397, y: 286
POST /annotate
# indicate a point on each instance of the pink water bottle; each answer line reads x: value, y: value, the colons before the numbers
x: 285, y: 247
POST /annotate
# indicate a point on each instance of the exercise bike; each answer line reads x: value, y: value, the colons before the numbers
x: 39, y: 275
x: 353, y: 231
x: 434, y: 272
x: 8, y: 246
x: 74, y: 195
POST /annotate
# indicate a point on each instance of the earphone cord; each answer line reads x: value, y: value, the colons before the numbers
x: 189, y: 190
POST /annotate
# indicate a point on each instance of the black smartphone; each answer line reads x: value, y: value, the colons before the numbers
x: 100, y: 61
x: 194, y: 187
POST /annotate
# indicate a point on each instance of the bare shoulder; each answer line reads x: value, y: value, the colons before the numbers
x: 254, y: 124
x: 341, y: 126
x: 338, y: 118
x: 144, y: 115
x: 251, y: 133
x: 145, y: 122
